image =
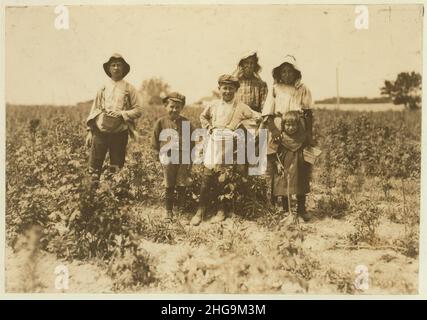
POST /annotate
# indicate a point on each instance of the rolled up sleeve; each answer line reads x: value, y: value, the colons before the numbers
x: 206, y: 118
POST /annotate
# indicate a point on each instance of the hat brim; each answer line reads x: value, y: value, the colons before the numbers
x: 276, y: 70
x: 173, y: 99
x: 234, y: 83
x: 106, y: 66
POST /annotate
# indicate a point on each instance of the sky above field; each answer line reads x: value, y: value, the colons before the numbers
x: 190, y: 46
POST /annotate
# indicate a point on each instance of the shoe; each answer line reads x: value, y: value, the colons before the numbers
x: 306, y: 216
x: 197, y: 218
x: 219, y: 217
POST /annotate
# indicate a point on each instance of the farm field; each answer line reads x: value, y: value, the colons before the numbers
x: 365, y: 200
x: 374, y: 107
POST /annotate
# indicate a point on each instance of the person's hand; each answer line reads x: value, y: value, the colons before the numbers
x: 275, y: 135
x: 258, y: 120
x: 113, y: 113
x: 88, y: 140
x: 239, y: 135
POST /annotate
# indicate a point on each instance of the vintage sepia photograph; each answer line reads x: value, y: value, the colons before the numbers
x: 213, y: 149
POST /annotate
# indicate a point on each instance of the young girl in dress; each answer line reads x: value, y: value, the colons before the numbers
x: 292, y: 173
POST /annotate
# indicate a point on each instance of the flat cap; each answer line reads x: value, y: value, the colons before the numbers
x: 174, y: 96
x: 228, y: 79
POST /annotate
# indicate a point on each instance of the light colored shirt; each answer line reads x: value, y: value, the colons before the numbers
x: 223, y: 113
x: 117, y: 96
x: 286, y: 98
x: 220, y: 114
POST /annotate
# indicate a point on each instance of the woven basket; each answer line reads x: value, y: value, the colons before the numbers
x: 311, y: 154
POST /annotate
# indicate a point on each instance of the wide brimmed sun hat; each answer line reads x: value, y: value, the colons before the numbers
x: 289, y: 59
x: 116, y: 57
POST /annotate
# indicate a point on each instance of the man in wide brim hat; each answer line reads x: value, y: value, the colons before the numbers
x: 112, y: 118
x: 116, y: 57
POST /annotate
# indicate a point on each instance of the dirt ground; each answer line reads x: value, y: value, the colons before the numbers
x: 236, y: 256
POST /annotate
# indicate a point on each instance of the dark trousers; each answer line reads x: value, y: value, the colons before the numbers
x: 300, y: 203
x: 113, y: 143
x: 171, y: 199
x: 207, y: 195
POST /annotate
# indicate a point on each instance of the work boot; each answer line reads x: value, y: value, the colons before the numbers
x: 219, y: 217
x: 198, y: 217
x: 301, y: 208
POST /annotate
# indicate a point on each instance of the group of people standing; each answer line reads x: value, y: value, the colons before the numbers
x: 286, y: 116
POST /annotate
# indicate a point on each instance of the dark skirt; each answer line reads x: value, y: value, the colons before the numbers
x: 293, y: 172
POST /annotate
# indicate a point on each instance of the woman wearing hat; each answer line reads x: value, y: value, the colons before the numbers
x: 288, y: 94
x: 112, y: 118
x: 253, y: 90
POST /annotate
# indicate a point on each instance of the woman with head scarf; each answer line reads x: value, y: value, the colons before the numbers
x: 253, y: 90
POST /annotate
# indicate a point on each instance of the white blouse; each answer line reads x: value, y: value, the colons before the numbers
x: 286, y: 98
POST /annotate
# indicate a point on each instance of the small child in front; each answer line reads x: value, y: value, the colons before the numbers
x: 292, y: 173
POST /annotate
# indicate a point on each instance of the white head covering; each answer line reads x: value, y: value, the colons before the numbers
x: 290, y: 59
x: 238, y: 71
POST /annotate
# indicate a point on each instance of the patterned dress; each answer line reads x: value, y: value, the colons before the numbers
x: 292, y: 173
x: 252, y: 92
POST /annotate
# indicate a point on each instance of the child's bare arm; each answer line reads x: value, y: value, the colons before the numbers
x: 251, y: 114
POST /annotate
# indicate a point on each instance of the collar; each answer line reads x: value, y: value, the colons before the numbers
x: 115, y: 83
x: 231, y: 103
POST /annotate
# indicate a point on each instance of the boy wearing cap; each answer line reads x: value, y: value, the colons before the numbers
x: 221, y: 115
x: 170, y: 131
x: 112, y: 118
